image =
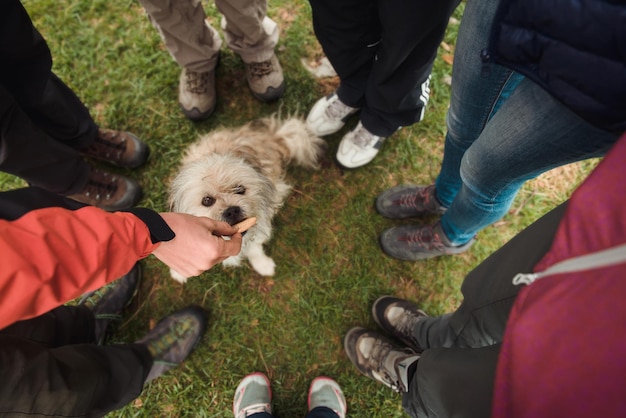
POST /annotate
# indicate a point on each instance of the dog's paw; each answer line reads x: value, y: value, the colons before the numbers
x: 265, y: 266
x: 178, y: 277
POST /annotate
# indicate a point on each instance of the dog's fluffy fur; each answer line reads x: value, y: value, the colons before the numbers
x: 233, y: 174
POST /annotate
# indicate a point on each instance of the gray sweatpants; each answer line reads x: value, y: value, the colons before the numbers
x: 194, y: 43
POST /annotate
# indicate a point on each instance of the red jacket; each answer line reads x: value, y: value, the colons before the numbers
x: 50, y: 254
x: 564, y: 348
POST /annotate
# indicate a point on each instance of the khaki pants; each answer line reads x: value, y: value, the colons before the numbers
x: 194, y: 44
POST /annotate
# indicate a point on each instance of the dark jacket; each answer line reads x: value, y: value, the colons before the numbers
x: 574, y: 49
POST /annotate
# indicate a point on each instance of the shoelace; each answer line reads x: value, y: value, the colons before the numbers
x: 380, y: 351
x: 362, y: 137
x: 406, y: 322
x: 427, y: 238
x: 261, y: 69
x: 338, y: 110
x: 99, y: 189
x: 254, y: 409
x: 410, y: 199
x: 105, y: 145
x: 196, y: 83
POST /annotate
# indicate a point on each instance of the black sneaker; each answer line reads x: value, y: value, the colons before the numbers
x: 379, y: 358
x: 108, y: 302
x: 408, y: 201
x: 398, y: 317
x: 119, y: 148
x: 109, y: 191
x: 174, y: 338
x: 412, y: 243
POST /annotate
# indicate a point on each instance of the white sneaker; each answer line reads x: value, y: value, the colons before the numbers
x: 329, y: 115
x: 358, y: 147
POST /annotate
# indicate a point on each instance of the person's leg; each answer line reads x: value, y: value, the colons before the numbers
x: 397, y: 84
x: 349, y: 32
x: 452, y: 382
x: 477, y: 90
x: 253, y: 36
x: 195, y: 46
x: 61, y: 326
x: 29, y: 153
x: 50, y: 365
x: 488, y: 291
x: 531, y: 133
x: 191, y: 42
x: 247, y: 29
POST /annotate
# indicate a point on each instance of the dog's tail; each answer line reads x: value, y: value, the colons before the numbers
x: 305, y: 148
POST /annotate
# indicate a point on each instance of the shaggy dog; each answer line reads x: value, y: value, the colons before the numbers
x: 233, y: 174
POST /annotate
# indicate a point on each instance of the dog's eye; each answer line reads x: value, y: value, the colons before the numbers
x: 208, y: 201
x: 239, y: 190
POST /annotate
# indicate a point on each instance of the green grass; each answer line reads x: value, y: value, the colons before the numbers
x: 330, y: 268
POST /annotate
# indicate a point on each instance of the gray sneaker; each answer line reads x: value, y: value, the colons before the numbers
x: 325, y: 392
x: 398, y: 318
x: 358, y: 147
x: 265, y: 79
x: 379, y: 358
x: 174, y: 338
x: 412, y: 243
x: 108, y: 302
x: 252, y: 396
x: 408, y: 201
x: 328, y: 115
x: 196, y: 94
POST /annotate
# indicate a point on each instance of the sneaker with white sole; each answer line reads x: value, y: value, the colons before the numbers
x: 265, y: 79
x: 412, y: 242
x: 174, y: 338
x: 328, y: 115
x: 325, y: 392
x: 196, y: 94
x: 252, y: 396
x: 408, y: 201
x: 398, y: 318
x: 380, y: 358
x: 358, y: 147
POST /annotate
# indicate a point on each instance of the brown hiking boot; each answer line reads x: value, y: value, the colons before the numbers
x: 109, y: 191
x: 119, y: 148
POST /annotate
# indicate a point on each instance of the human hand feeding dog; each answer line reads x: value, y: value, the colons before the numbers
x: 236, y: 174
x: 197, y: 245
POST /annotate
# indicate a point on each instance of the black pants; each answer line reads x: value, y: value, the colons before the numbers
x: 383, y: 52
x: 50, y: 366
x: 42, y: 122
x: 455, y: 374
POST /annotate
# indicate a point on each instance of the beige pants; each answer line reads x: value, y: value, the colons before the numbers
x: 194, y: 44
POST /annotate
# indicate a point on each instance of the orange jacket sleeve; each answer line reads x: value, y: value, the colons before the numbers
x: 51, y: 255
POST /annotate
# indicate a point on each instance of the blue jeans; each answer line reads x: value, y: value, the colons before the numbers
x: 502, y: 131
x: 319, y: 412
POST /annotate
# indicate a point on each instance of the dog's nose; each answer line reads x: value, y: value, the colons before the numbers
x: 232, y: 214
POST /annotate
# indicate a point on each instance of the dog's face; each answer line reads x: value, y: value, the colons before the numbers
x: 224, y: 188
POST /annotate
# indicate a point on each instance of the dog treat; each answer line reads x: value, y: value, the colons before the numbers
x: 245, y: 224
